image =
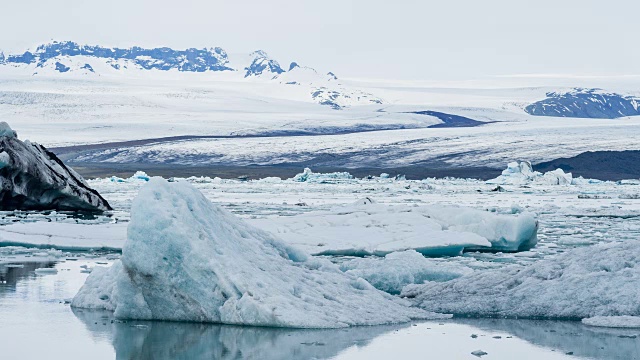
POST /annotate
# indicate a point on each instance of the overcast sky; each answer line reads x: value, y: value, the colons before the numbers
x: 419, y: 39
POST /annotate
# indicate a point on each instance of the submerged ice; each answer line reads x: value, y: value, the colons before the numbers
x: 186, y: 259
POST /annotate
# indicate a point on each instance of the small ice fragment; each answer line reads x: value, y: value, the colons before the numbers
x: 479, y: 353
x: 46, y: 271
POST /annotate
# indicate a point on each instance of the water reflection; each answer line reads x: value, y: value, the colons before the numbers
x: 167, y: 340
x: 568, y: 336
x: 10, y: 275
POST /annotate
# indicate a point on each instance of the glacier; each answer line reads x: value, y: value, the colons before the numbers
x: 187, y: 259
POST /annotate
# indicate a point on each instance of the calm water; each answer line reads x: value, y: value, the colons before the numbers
x: 37, y: 322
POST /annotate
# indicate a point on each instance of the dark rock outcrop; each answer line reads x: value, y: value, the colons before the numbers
x: 33, y: 178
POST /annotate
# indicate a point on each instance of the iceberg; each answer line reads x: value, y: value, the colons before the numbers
x: 370, y: 228
x: 33, y: 178
x: 600, y: 280
x: 329, y: 178
x: 507, y: 233
x: 187, y: 259
x: 522, y: 173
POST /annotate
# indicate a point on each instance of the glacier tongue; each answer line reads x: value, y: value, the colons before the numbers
x: 33, y: 178
x: 187, y: 259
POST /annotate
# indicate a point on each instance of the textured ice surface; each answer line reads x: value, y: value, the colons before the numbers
x: 613, y: 321
x: 368, y: 228
x: 309, y: 176
x: 600, y: 280
x: 33, y: 178
x: 394, y: 271
x: 64, y: 235
x: 187, y: 259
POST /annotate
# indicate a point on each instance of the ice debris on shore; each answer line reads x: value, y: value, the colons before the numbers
x: 186, y: 259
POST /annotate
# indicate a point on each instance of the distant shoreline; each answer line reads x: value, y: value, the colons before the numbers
x: 101, y: 170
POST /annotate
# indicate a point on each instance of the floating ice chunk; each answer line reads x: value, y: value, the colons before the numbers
x: 522, y: 173
x: 46, y: 271
x: 309, y: 176
x: 505, y: 232
x: 187, y: 259
x: 628, y: 182
x: 613, y: 321
x: 600, y: 280
x: 140, y: 175
x: 6, y: 130
x: 270, y: 180
x: 394, y: 271
x: 64, y: 236
x: 368, y: 228
x: 556, y: 177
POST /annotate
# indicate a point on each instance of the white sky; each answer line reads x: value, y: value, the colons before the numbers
x: 394, y: 39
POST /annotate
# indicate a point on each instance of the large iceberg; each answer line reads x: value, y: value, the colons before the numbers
x: 370, y: 228
x: 186, y: 259
x: 33, y: 178
x: 522, y: 173
x: 600, y: 280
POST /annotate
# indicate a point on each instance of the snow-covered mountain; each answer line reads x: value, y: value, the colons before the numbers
x: 68, y: 59
x: 61, y: 54
x: 586, y: 103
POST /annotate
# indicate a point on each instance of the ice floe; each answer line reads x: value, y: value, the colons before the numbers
x: 369, y: 228
x: 186, y: 259
x: 64, y: 235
